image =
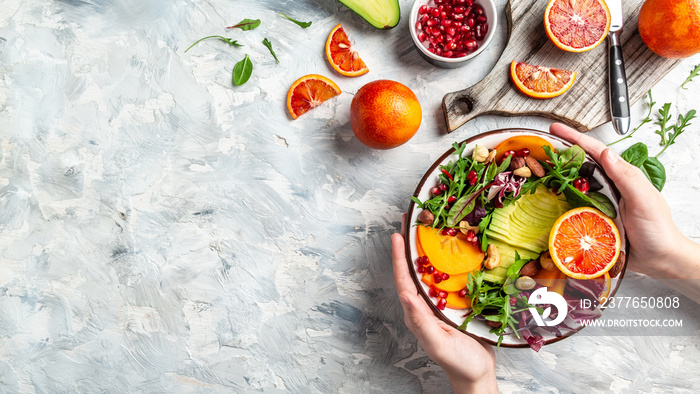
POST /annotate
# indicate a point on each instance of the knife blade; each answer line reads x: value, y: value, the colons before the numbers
x: 617, y: 80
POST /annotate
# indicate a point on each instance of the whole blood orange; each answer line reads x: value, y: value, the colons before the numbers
x: 670, y: 27
x: 385, y: 114
x: 584, y: 243
x: 577, y: 25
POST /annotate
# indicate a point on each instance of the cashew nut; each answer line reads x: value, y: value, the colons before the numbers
x: 464, y: 227
x: 493, y: 258
x: 546, y: 261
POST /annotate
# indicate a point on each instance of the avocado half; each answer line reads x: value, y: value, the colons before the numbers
x: 382, y: 14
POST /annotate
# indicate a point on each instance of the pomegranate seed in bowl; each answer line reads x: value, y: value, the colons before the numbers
x: 452, y: 28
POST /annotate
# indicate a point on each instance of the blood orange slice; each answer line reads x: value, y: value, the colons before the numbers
x: 577, y: 25
x: 309, y: 92
x: 341, y: 56
x: 541, y: 82
x: 584, y: 243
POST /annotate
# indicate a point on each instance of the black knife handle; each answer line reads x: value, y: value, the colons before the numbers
x: 619, y: 98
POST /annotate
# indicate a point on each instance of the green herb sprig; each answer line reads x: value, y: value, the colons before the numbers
x: 224, y: 39
x: 669, y: 134
x: 693, y: 73
x: 268, y: 44
x: 303, y: 25
x: 492, y: 301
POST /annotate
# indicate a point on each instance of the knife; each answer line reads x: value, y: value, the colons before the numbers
x: 617, y: 80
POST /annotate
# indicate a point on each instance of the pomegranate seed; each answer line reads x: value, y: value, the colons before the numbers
x: 459, y: 16
x: 433, y: 293
x: 481, y: 19
x: 431, y: 49
x: 423, y: 9
x: 508, y: 153
x: 470, y: 22
x: 450, y: 231
x: 446, y: 23
x: 426, y: 260
x: 430, y: 269
x: 462, y: 293
x: 478, y: 34
x: 484, y: 28
x: 445, y: 276
x: 422, y: 36
x: 440, y: 39
x: 437, y: 277
x: 431, y: 22
x: 442, y: 187
x: 442, y: 294
x: 457, y: 24
x: 418, y: 26
x: 435, y: 191
x: 441, y: 304
x: 522, y: 152
x: 451, y: 200
x: 424, y: 19
x: 420, y: 269
x: 470, y: 235
x: 434, y: 12
x: 513, y: 301
x: 582, y: 185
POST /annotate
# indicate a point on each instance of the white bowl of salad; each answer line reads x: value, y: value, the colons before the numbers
x: 514, y: 238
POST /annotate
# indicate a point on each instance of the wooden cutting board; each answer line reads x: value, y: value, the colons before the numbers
x: 586, y: 104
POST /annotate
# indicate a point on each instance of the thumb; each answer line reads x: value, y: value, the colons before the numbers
x: 420, y: 320
x: 629, y: 180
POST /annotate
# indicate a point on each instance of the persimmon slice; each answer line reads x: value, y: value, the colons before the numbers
x: 584, y: 243
x: 309, y: 92
x: 541, y: 82
x: 448, y: 254
x: 532, y: 142
x: 341, y: 56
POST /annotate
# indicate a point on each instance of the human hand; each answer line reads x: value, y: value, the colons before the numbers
x: 657, y: 248
x: 469, y: 364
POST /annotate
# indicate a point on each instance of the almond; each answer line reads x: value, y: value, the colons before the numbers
x: 426, y: 217
x: 531, y: 268
x: 517, y: 162
x: 534, y: 166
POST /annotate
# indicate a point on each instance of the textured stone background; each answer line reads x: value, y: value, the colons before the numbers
x: 164, y: 231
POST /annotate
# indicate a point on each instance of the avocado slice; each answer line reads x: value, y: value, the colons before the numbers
x: 382, y: 14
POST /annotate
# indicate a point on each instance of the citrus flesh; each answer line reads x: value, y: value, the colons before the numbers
x: 577, y: 25
x: 584, y: 243
x: 309, y: 92
x: 341, y: 56
x: 541, y: 82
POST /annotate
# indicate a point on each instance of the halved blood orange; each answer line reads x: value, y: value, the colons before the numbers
x: 341, y: 56
x: 541, y: 82
x: 309, y: 92
x: 577, y: 25
x: 584, y: 243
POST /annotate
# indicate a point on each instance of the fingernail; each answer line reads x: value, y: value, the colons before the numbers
x: 612, y: 156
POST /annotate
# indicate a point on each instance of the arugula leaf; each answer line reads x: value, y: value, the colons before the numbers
x: 655, y: 172
x: 268, y: 44
x: 242, y: 71
x: 693, y: 73
x: 224, y: 39
x: 636, y: 154
x: 678, y: 129
x: 664, y: 118
x: 246, y: 24
x: 303, y: 25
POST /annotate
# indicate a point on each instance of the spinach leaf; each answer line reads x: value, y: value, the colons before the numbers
x: 593, y: 199
x: 636, y: 154
x: 460, y: 209
x: 572, y: 158
x: 655, y: 172
x: 242, y: 71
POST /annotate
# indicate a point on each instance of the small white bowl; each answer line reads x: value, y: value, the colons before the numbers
x: 449, y: 62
